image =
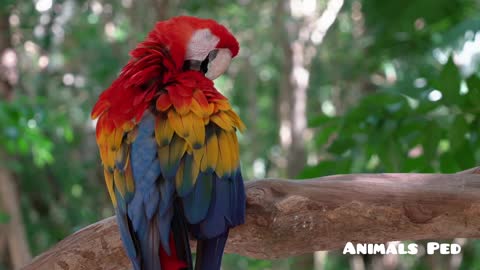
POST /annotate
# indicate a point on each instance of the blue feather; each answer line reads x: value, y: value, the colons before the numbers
x: 167, y: 189
x: 210, y: 252
x: 134, y: 207
x: 121, y: 204
x: 149, y: 242
x: 187, y: 181
x: 215, y: 224
x: 126, y: 236
x: 151, y: 209
x: 144, y: 148
x: 163, y: 225
x: 152, y: 173
x: 240, y: 199
x: 151, y: 199
x: 197, y: 202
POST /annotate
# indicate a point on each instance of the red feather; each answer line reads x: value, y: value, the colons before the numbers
x: 171, y: 262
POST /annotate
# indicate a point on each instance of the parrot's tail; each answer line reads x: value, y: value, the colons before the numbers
x: 181, y: 257
x: 210, y: 252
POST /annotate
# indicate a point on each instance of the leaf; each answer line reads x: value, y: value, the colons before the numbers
x: 465, y: 156
x: 4, y: 218
x: 448, y: 163
x: 320, y: 120
x: 432, y: 136
x: 418, y: 164
x: 341, y: 145
x: 448, y: 82
x: 326, y: 167
x: 457, y: 131
x: 325, y: 133
x: 473, y: 95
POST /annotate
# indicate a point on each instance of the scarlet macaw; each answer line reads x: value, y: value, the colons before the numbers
x: 169, y: 149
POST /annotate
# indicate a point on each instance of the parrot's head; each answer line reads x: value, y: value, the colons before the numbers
x: 197, y: 44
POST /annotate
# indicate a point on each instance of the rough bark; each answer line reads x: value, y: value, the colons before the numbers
x: 287, y: 218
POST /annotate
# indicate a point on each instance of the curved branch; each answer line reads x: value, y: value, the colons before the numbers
x: 286, y: 217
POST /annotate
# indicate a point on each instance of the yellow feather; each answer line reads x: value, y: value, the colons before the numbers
x: 171, y: 153
x: 228, y: 120
x: 103, y: 136
x: 232, y: 137
x: 131, y: 136
x: 109, y: 183
x: 177, y: 149
x: 179, y: 174
x: 211, y: 108
x: 225, y: 149
x: 187, y: 121
x: 121, y: 156
x: 194, y: 172
x: 222, y: 121
x: 110, y: 158
x: 116, y: 138
x: 103, y: 152
x: 175, y: 122
x: 197, y: 137
x: 198, y: 155
x: 163, y: 154
x: 128, y: 126
x: 198, y: 110
x: 181, y: 124
x: 163, y: 131
x: 236, y: 120
x: 209, y: 161
x: 223, y: 105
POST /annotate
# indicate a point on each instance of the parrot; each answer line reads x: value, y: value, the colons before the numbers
x: 169, y: 150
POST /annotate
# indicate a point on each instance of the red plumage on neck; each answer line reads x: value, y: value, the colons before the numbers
x: 154, y: 63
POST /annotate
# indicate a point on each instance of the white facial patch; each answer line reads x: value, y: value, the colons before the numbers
x: 201, y: 43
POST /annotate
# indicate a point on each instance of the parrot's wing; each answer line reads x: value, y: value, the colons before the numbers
x: 177, y: 167
x: 143, y: 198
x: 198, y: 151
x: 115, y: 150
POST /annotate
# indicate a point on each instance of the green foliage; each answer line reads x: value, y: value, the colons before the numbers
x: 28, y: 128
x: 389, y: 131
x: 381, y: 67
x: 4, y: 218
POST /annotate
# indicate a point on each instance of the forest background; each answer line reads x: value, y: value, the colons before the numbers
x: 324, y: 87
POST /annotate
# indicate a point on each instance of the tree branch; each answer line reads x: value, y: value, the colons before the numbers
x: 286, y: 218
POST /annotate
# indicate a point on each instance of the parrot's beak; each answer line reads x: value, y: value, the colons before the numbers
x: 218, y: 64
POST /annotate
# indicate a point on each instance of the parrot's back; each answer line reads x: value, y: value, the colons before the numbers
x: 171, y: 162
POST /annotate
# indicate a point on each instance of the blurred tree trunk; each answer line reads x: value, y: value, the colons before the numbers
x: 13, y: 233
x: 165, y: 8
x: 14, y: 229
x: 7, y: 57
x: 292, y: 103
x: 300, y: 39
x: 252, y: 102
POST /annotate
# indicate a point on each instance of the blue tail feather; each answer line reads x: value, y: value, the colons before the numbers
x: 210, y: 252
x: 127, y: 239
x: 197, y: 202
